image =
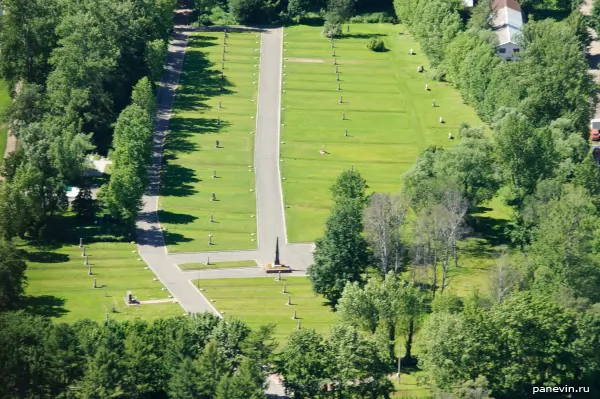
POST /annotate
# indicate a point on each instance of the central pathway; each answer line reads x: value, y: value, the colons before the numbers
x: 270, y: 213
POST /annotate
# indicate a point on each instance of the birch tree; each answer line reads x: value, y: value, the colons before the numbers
x: 384, y: 219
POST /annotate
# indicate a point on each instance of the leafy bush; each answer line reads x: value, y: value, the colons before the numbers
x: 203, y: 20
x: 219, y: 16
x: 373, y: 18
x: 247, y: 11
x: 332, y: 30
x: 376, y: 44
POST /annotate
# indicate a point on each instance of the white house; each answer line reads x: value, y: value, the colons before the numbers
x: 507, y: 23
x: 467, y: 3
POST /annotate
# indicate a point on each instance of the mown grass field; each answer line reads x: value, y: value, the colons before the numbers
x: 390, y: 118
x: 5, y: 101
x: 59, y: 285
x: 218, y: 265
x: 259, y: 301
x: 408, y: 386
x: 190, y: 154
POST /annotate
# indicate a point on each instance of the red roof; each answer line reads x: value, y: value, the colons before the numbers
x: 512, y: 4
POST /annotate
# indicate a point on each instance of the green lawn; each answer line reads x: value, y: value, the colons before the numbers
x: 390, y: 119
x: 191, y: 157
x: 408, y: 387
x: 218, y: 265
x: 59, y: 286
x: 259, y: 301
x: 5, y: 101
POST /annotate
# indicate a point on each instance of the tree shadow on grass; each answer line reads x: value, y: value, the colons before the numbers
x: 202, y: 41
x: 493, y: 230
x: 312, y: 20
x: 200, y: 81
x: 233, y: 29
x: 45, y: 305
x: 488, y: 238
x: 360, y: 35
x: 66, y: 230
x: 175, y: 238
x: 177, y: 181
x: 45, y: 257
x: 183, y: 129
x: 175, y: 218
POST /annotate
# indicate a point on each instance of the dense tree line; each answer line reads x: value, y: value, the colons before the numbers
x: 199, y: 356
x: 374, y: 231
x: 539, y: 324
x: 132, y: 149
x: 466, y: 58
x: 72, y: 66
x: 505, y: 349
x: 334, y: 12
x: 348, y: 364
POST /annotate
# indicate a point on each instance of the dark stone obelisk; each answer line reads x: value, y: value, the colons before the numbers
x: 277, y: 253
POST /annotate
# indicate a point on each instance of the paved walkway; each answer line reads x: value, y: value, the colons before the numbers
x: 151, y: 244
x: 270, y: 213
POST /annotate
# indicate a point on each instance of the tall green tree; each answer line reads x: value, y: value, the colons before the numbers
x: 350, y: 185
x: 247, y: 11
x: 435, y: 25
x: 566, y: 92
x: 28, y: 106
x: 339, y: 11
x: 526, y: 155
x: 359, y: 366
x: 141, y: 363
x: 303, y: 364
x: 470, y: 165
x: 27, y: 37
x: 341, y: 255
x: 132, y: 144
x: 248, y: 382
x: 29, y: 367
x: 520, y: 343
x: 123, y: 194
x: 143, y: 96
x: 183, y: 383
x: 12, y: 275
x: 385, y: 306
x: 562, y: 251
x: 104, y: 370
x: 17, y: 210
x: 211, y: 367
x: 156, y: 54
x: 83, y: 63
